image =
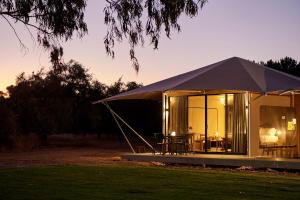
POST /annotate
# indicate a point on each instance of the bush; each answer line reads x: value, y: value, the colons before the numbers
x: 26, y: 142
x: 7, y: 125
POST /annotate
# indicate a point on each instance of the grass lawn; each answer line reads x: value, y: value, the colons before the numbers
x: 136, y: 182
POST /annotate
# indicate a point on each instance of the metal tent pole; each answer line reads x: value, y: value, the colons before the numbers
x: 122, y: 120
x: 132, y: 149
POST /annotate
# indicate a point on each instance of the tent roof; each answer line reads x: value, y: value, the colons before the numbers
x: 230, y: 74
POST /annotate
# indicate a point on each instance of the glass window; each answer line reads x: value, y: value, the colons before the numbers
x: 216, y: 105
x: 216, y: 123
x: 196, y: 121
x: 277, y: 131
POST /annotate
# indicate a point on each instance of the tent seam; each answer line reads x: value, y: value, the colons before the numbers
x: 263, y: 89
x: 213, y: 66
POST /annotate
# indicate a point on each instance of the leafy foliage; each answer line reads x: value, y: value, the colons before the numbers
x: 287, y: 65
x: 7, y: 124
x: 60, y: 101
x: 53, y: 20
x: 58, y: 20
x: 124, y: 19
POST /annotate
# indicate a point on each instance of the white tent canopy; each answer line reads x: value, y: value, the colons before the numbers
x: 230, y: 74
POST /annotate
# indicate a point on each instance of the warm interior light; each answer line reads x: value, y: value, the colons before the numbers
x: 294, y: 121
x: 217, y: 134
x: 172, y: 100
x: 222, y: 100
x: 273, y: 131
x: 173, y: 133
x: 268, y: 135
x: 278, y: 132
x: 230, y: 99
x: 291, y: 125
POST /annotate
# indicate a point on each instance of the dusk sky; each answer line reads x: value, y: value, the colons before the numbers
x: 255, y: 30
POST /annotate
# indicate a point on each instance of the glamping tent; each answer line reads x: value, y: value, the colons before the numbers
x: 233, y: 106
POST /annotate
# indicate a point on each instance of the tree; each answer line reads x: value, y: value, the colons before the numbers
x: 124, y: 20
x: 60, y: 101
x: 133, y: 85
x: 2, y: 94
x: 115, y: 88
x: 287, y: 65
x: 119, y: 86
x: 53, y: 20
x: 7, y: 124
x: 58, y: 20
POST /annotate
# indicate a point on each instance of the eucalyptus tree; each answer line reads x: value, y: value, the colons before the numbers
x: 56, y: 21
x: 53, y: 21
x: 136, y: 19
x: 286, y: 64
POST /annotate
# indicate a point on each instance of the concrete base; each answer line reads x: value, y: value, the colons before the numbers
x: 218, y: 160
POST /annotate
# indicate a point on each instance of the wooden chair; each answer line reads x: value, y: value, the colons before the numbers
x: 180, y: 144
x: 161, y: 142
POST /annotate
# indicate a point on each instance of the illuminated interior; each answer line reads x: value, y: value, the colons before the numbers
x: 277, y: 132
x: 220, y: 112
x: 224, y: 114
x: 220, y: 124
x: 216, y: 117
x: 196, y: 121
x: 215, y: 122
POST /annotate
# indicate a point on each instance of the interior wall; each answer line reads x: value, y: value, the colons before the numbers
x: 269, y: 100
x: 215, y: 115
x: 196, y: 115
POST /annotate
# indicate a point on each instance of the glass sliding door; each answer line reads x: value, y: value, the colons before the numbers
x: 216, y: 125
x: 219, y: 123
x: 228, y: 122
x: 196, y: 121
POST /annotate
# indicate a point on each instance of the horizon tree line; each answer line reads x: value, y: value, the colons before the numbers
x: 59, y: 100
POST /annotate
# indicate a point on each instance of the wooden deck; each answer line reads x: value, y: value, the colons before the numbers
x: 218, y: 160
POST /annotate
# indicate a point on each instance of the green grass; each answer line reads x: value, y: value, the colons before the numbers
x: 128, y: 182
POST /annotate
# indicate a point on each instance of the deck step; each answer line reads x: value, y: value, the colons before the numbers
x: 218, y: 160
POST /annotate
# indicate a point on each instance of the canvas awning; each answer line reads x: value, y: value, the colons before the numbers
x: 231, y: 74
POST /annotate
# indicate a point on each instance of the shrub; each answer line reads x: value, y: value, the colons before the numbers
x: 7, y: 125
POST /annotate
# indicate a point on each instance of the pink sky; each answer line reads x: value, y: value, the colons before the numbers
x: 256, y: 30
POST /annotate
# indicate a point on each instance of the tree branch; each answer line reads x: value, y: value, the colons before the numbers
x: 15, y: 32
x: 15, y: 11
x: 31, y: 35
x: 32, y: 25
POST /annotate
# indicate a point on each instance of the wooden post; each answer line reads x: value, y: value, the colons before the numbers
x: 163, y: 114
x: 206, y: 126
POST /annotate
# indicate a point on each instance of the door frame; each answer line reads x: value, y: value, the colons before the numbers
x: 206, y: 125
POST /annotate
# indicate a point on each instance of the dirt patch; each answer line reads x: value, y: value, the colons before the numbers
x: 69, y: 149
x: 65, y: 156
